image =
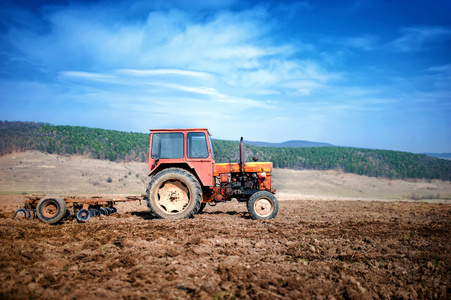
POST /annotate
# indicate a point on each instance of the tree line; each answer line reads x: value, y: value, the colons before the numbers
x: 131, y: 146
x: 73, y: 140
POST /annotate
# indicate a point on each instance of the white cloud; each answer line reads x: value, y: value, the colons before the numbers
x: 232, y: 45
x: 198, y: 90
x: 420, y: 38
x: 366, y: 42
x: 227, y: 56
x: 87, y: 75
x: 444, y: 68
x: 157, y: 72
x: 303, y: 86
x: 411, y: 39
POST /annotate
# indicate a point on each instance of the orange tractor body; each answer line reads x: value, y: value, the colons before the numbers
x: 189, y: 151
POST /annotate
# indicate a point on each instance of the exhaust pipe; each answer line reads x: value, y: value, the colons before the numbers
x: 242, y: 155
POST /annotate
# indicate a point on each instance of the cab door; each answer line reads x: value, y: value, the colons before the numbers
x: 199, y: 156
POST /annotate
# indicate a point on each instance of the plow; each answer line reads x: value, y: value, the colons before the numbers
x: 52, y: 209
x: 184, y: 178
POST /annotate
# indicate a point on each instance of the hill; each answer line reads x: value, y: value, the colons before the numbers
x: 36, y: 172
x: 291, y: 144
x: 439, y: 155
x: 130, y: 146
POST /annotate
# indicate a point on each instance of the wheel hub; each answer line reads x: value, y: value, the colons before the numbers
x: 173, y: 196
x: 263, y: 207
x: 50, y: 210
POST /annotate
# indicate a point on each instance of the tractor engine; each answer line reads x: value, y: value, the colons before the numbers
x: 236, y: 183
x: 240, y: 180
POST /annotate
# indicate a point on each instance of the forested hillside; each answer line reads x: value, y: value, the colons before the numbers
x: 291, y: 144
x: 90, y: 142
x: 129, y: 146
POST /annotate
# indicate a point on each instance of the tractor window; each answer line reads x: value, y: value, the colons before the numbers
x: 167, y: 145
x: 197, y: 145
x: 211, y: 147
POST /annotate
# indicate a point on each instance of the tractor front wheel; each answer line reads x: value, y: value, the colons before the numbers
x: 174, y: 193
x: 262, y: 205
x: 51, y: 210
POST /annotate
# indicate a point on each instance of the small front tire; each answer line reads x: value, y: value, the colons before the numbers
x: 262, y: 205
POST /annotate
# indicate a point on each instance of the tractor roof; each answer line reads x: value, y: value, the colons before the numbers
x: 180, y: 129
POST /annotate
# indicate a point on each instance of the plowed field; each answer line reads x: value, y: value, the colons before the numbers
x: 312, y: 249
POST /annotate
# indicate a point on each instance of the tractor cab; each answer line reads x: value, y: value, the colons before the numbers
x: 185, y: 148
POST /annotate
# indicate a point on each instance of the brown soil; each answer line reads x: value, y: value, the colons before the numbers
x: 312, y: 249
x: 325, y: 242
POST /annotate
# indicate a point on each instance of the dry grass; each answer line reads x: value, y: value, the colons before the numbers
x: 308, y: 184
x: 35, y: 172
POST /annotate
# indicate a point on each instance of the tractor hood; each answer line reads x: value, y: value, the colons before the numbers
x: 249, y: 167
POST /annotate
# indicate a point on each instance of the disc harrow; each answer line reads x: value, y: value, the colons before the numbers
x: 52, y: 209
x: 25, y: 213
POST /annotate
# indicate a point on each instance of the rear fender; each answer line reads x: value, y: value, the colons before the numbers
x: 184, y: 166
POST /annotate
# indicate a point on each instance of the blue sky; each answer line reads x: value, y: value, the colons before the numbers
x: 366, y: 73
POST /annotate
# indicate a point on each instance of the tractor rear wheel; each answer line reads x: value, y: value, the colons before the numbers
x: 262, y: 205
x: 174, y: 193
x: 51, y: 210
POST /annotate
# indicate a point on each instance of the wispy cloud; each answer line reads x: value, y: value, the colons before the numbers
x: 414, y: 39
x: 157, y: 72
x: 197, y: 90
x: 411, y: 39
x: 366, y: 42
x: 87, y: 75
x: 303, y: 86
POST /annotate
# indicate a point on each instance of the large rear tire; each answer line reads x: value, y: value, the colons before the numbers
x: 262, y: 205
x: 51, y: 210
x: 174, y: 193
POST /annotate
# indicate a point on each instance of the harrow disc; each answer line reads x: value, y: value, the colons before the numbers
x: 92, y: 212
x: 111, y: 210
x: 83, y: 215
x: 104, y: 211
x: 22, y: 213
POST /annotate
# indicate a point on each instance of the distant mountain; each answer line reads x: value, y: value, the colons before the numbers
x: 290, y: 144
x: 439, y: 155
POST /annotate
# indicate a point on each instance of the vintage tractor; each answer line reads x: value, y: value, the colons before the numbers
x: 185, y: 177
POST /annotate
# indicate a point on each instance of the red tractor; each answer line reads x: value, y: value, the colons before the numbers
x: 185, y: 177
